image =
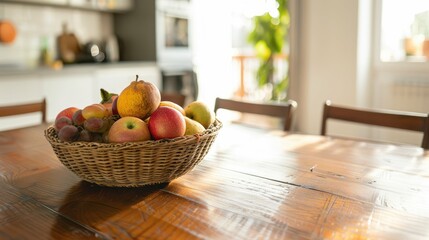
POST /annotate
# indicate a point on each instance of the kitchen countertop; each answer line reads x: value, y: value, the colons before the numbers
x: 13, y: 70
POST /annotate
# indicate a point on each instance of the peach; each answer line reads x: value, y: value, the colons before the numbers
x: 96, y: 110
x: 68, y: 112
x: 109, y: 105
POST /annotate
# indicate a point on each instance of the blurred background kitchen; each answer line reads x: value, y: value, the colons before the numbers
x: 357, y: 52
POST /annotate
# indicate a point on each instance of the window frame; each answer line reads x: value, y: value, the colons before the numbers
x: 396, y: 66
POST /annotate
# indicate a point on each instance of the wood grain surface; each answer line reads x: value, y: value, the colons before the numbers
x: 253, y: 184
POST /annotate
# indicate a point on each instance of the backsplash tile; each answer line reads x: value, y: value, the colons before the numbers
x: 34, y: 23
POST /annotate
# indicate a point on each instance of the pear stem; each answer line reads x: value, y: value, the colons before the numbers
x: 137, y: 77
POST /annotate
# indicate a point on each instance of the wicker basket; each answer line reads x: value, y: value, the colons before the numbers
x: 135, y: 163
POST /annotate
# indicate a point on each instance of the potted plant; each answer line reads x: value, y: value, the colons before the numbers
x: 420, y: 27
x: 268, y: 37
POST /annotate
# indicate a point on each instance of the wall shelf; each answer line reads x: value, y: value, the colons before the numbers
x: 92, y: 5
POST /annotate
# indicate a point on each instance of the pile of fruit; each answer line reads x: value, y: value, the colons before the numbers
x: 136, y: 114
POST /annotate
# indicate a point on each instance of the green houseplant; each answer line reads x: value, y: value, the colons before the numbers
x: 268, y: 37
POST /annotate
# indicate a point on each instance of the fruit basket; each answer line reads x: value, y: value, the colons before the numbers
x: 133, y: 164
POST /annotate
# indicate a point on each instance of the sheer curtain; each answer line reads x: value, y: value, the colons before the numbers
x: 212, y: 48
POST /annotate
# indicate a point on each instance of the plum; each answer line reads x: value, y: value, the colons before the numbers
x: 68, y: 133
x: 85, y: 136
x: 96, y: 125
x: 78, y: 118
x: 61, y: 122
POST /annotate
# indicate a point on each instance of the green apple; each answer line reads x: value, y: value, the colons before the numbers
x: 200, y: 112
x: 193, y: 127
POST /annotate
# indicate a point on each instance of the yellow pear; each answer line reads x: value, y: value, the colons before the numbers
x: 140, y: 99
x: 173, y: 105
x: 193, y: 127
x: 200, y: 112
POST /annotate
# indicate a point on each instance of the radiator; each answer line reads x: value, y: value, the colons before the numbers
x: 409, y: 95
x: 404, y: 95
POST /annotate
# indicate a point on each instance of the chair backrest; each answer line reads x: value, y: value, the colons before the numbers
x: 177, y: 98
x: 386, y: 118
x: 281, y: 110
x: 25, y: 108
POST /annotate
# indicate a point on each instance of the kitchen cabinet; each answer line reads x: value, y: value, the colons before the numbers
x: 76, y: 86
x: 68, y: 90
x: 20, y: 89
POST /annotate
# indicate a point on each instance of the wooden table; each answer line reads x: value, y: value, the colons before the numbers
x: 253, y: 184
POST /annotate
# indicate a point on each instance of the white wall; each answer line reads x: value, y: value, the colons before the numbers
x: 338, y: 60
x: 328, y: 58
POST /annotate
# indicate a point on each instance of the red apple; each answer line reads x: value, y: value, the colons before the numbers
x: 115, y: 106
x: 129, y: 129
x: 68, y: 112
x: 166, y: 122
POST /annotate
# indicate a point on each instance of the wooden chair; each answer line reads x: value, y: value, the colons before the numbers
x: 283, y: 111
x: 174, y: 97
x: 386, y: 118
x: 25, y: 108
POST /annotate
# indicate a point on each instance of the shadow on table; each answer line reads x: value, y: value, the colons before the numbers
x: 88, y: 208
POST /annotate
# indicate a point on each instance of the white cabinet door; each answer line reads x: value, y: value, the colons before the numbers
x: 116, y: 79
x: 20, y: 89
x: 150, y: 73
x: 112, y: 80
x: 67, y: 90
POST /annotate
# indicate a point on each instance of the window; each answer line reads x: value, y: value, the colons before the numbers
x: 404, y: 30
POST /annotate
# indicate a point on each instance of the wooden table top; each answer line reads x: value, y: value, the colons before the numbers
x: 253, y: 184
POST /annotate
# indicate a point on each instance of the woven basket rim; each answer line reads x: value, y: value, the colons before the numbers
x: 52, y: 137
x: 133, y: 164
